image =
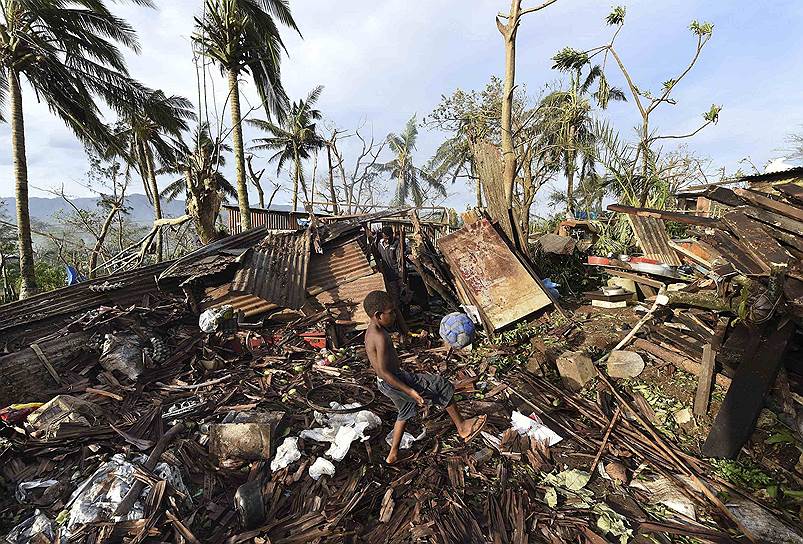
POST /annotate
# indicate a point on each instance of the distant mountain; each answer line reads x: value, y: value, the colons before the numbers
x: 44, y: 209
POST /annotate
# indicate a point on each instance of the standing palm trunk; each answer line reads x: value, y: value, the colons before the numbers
x: 242, y: 37
x: 28, y: 286
x: 150, y: 131
x: 401, y: 168
x: 67, y: 51
x: 295, y: 140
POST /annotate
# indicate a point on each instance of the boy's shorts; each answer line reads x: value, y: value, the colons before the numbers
x: 432, y: 387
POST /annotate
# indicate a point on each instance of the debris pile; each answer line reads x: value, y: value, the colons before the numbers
x: 127, y: 422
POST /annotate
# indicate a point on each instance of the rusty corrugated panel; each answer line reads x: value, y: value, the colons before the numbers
x: 337, y: 265
x: 249, y: 305
x: 197, y: 264
x: 22, y: 318
x: 23, y: 376
x: 276, y: 269
x: 491, y: 275
x: 653, y: 239
x: 345, y: 300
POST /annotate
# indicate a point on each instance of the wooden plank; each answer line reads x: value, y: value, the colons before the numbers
x: 730, y: 248
x: 690, y: 255
x: 753, y: 379
x: 765, y: 202
x: 776, y: 220
x: 705, y: 382
x: 756, y: 239
x: 635, y: 277
x: 724, y: 196
x: 666, y: 215
x: 504, y: 290
x: 792, y: 191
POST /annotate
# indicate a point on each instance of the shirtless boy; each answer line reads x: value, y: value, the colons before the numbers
x: 408, y: 391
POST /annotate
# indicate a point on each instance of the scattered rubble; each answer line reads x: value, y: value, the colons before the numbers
x: 260, y: 424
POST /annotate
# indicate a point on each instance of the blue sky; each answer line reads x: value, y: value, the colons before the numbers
x: 381, y: 62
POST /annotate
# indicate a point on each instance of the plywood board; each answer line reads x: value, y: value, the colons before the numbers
x: 492, y: 276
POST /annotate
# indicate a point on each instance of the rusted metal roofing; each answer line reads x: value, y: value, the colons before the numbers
x: 34, y: 317
x: 249, y: 305
x: 340, y: 227
x: 491, y: 275
x: 276, y: 269
x: 337, y: 265
x: 197, y: 264
x: 653, y: 239
x: 281, y: 220
x: 345, y: 300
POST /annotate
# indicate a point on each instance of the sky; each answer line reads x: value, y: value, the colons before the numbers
x: 382, y: 62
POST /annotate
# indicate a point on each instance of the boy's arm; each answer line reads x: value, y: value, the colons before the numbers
x: 382, y: 370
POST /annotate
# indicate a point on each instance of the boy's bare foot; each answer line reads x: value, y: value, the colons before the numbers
x: 472, y: 427
x: 394, y: 458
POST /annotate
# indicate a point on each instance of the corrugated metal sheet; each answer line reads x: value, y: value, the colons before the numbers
x: 337, y: 265
x: 653, y: 239
x: 23, y: 376
x: 34, y: 317
x: 195, y: 264
x: 345, y: 300
x: 274, y: 220
x: 491, y: 275
x: 249, y: 305
x: 276, y: 269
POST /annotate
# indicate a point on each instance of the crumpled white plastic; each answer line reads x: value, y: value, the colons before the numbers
x: 286, y: 454
x: 533, y: 427
x: 342, y: 429
x: 320, y: 467
x: 25, y: 487
x: 98, y: 497
x: 407, y: 439
x: 38, y: 526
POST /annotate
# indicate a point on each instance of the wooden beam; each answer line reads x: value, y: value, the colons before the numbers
x: 776, y: 220
x: 753, y: 379
x: 724, y: 196
x: 783, y: 208
x: 704, y: 383
x: 665, y: 214
x: 792, y: 191
x: 635, y: 277
x: 757, y: 239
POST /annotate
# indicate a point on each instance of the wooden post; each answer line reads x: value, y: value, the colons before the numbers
x: 754, y: 377
x: 705, y: 382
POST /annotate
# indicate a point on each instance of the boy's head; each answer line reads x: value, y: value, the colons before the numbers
x: 380, y: 308
x: 387, y: 233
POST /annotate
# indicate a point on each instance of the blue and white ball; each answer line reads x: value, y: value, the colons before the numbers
x: 457, y: 329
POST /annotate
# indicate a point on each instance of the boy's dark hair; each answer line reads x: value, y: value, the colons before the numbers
x: 387, y: 230
x: 376, y: 302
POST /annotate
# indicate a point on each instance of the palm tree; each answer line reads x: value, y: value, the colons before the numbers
x: 295, y: 140
x: 150, y: 131
x: 401, y: 168
x: 453, y: 159
x: 67, y: 51
x: 568, y: 125
x: 204, y: 187
x: 242, y: 37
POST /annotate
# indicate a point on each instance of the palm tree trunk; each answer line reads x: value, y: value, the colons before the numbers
x: 27, y: 273
x: 296, y: 178
x: 157, y: 202
x: 570, y: 159
x: 239, y: 151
